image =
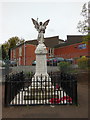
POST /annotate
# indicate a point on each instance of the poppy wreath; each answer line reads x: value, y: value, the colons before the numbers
x: 57, y: 100
x: 54, y: 100
x: 57, y: 86
x: 67, y: 98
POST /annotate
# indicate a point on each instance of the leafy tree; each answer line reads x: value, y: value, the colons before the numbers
x: 4, y: 53
x: 86, y: 39
x: 83, y: 25
x: 12, y: 42
x: 83, y: 62
x: 0, y: 52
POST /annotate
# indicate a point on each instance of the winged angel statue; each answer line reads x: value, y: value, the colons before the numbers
x: 40, y: 27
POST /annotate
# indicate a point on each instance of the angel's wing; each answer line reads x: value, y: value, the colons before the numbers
x: 46, y: 23
x: 35, y: 23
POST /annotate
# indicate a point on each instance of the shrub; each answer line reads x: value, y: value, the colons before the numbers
x: 29, y: 74
x: 83, y: 62
x: 64, y: 66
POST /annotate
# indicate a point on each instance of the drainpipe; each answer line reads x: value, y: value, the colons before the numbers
x: 24, y: 55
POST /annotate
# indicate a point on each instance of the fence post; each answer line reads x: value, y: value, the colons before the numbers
x: 75, y: 92
x: 7, y: 91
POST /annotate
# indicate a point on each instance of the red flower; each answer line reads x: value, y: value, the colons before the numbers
x: 57, y: 100
x: 68, y: 98
x: 54, y: 100
x: 57, y: 87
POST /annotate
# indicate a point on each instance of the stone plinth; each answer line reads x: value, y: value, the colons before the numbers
x: 41, y: 82
x: 41, y: 79
x: 41, y: 62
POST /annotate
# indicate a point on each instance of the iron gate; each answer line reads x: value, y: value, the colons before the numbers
x: 59, y: 90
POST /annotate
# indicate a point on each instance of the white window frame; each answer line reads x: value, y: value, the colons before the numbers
x: 20, y: 51
x: 51, y: 52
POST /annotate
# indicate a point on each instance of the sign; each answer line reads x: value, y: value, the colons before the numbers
x: 82, y: 46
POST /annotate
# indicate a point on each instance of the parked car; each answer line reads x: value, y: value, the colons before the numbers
x: 60, y: 59
x: 48, y: 62
x: 51, y: 61
x: 55, y: 61
x: 12, y: 63
x: 69, y: 60
x: 34, y: 63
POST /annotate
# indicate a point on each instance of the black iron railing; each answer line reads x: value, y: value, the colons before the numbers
x: 58, y: 89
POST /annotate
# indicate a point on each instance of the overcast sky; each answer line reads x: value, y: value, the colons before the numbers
x: 15, y: 19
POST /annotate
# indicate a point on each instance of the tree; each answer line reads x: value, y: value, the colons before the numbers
x: 4, y: 53
x: 0, y: 52
x: 83, y: 25
x: 83, y: 62
x: 86, y: 39
x: 11, y: 43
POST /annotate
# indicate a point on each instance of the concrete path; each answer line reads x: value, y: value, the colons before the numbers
x: 59, y: 111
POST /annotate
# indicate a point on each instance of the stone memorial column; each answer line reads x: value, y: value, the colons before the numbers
x: 41, y: 74
x: 41, y: 60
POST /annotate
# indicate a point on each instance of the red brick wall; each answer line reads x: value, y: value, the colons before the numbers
x: 29, y: 54
x: 71, y: 51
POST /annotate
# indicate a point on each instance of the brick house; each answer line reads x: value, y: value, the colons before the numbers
x: 24, y: 53
x: 73, y: 47
x: 20, y: 54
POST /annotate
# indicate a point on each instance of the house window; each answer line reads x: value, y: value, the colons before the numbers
x: 51, y: 52
x: 59, y: 42
x: 20, y: 51
x: 14, y: 53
